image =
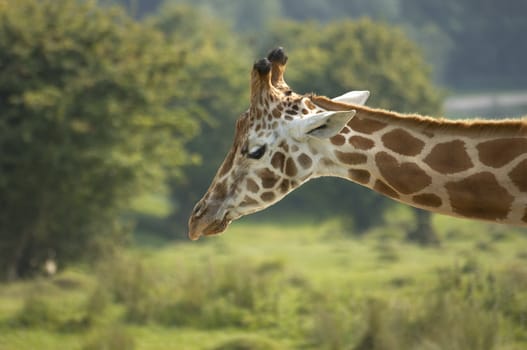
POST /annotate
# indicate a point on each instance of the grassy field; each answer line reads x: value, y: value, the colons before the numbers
x: 285, y: 286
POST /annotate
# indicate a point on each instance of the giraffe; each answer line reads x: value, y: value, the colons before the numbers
x: 471, y: 168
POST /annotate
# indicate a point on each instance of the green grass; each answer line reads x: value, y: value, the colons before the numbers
x: 285, y: 286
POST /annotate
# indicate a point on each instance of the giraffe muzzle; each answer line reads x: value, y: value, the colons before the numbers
x: 198, y: 229
x: 203, y: 222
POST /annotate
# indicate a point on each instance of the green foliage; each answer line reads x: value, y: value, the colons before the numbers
x: 113, y: 338
x: 96, y: 305
x: 248, y: 343
x: 486, y: 37
x: 86, y: 125
x: 337, y: 9
x: 211, y: 297
x: 303, y: 291
x: 36, y: 312
x: 245, y: 15
x: 471, y: 44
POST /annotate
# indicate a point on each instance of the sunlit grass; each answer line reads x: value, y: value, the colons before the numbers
x: 285, y: 285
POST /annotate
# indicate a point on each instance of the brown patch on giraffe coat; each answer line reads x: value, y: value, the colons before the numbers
x: 269, y: 182
x: 278, y: 161
x: 428, y: 200
x: 383, y: 188
x: 359, y: 175
x: 248, y: 201
x: 290, y: 167
x: 305, y: 161
x: 518, y: 175
x: 479, y: 196
x: 366, y: 126
x: 267, y: 196
x: 268, y: 178
x: 361, y: 143
x: 326, y: 162
x: 283, y: 145
x: 227, y: 163
x: 402, y: 142
x: 497, y: 153
x: 338, y: 140
x: 276, y: 113
x: 219, y: 191
x: 449, y: 157
x: 252, y: 186
x: 405, y: 177
x: 284, y: 186
x: 351, y: 158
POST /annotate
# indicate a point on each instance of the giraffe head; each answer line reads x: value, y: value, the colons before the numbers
x: 275, y: 149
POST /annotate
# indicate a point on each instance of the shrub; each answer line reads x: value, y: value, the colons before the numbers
x: 96, y: 304
x: 114, y: 338
x: 129, y: 282
x: 36, y: 312
x: 248, y: 343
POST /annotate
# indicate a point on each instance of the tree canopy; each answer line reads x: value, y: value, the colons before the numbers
x: 87, y: 123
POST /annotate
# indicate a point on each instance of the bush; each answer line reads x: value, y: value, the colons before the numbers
x: 465, y: 309
x: 248, y: 343
x: 128, y: 281
x: 36, y: 312
x: 96, y: 304
x: 114, y: 338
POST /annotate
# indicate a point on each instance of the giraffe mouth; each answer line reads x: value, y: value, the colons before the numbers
x: 207, y: 229
x: 216, y: 227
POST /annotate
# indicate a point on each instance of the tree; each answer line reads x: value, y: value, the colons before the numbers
x: 337, y: 9
x: 86, y: 125
x: 488, y: 45
x: 354, y: 55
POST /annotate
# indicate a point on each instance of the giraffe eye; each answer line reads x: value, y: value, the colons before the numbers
x: 257, y: 153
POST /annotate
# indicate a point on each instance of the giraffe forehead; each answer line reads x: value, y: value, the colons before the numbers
x: 292, y: 107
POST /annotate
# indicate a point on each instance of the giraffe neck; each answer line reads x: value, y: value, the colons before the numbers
x: 472, y: 169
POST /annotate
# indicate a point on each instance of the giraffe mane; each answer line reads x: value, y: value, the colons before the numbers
x: 476, y: 127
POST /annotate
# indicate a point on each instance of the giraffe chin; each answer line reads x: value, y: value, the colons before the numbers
x: 210, y: 229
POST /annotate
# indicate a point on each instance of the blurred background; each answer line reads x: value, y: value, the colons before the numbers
x: 115, y: 115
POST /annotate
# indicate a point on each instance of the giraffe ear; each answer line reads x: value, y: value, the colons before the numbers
x: 322, y: 125
x: 353, y: 97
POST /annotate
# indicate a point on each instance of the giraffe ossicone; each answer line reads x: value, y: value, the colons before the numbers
x: 475, y: 169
